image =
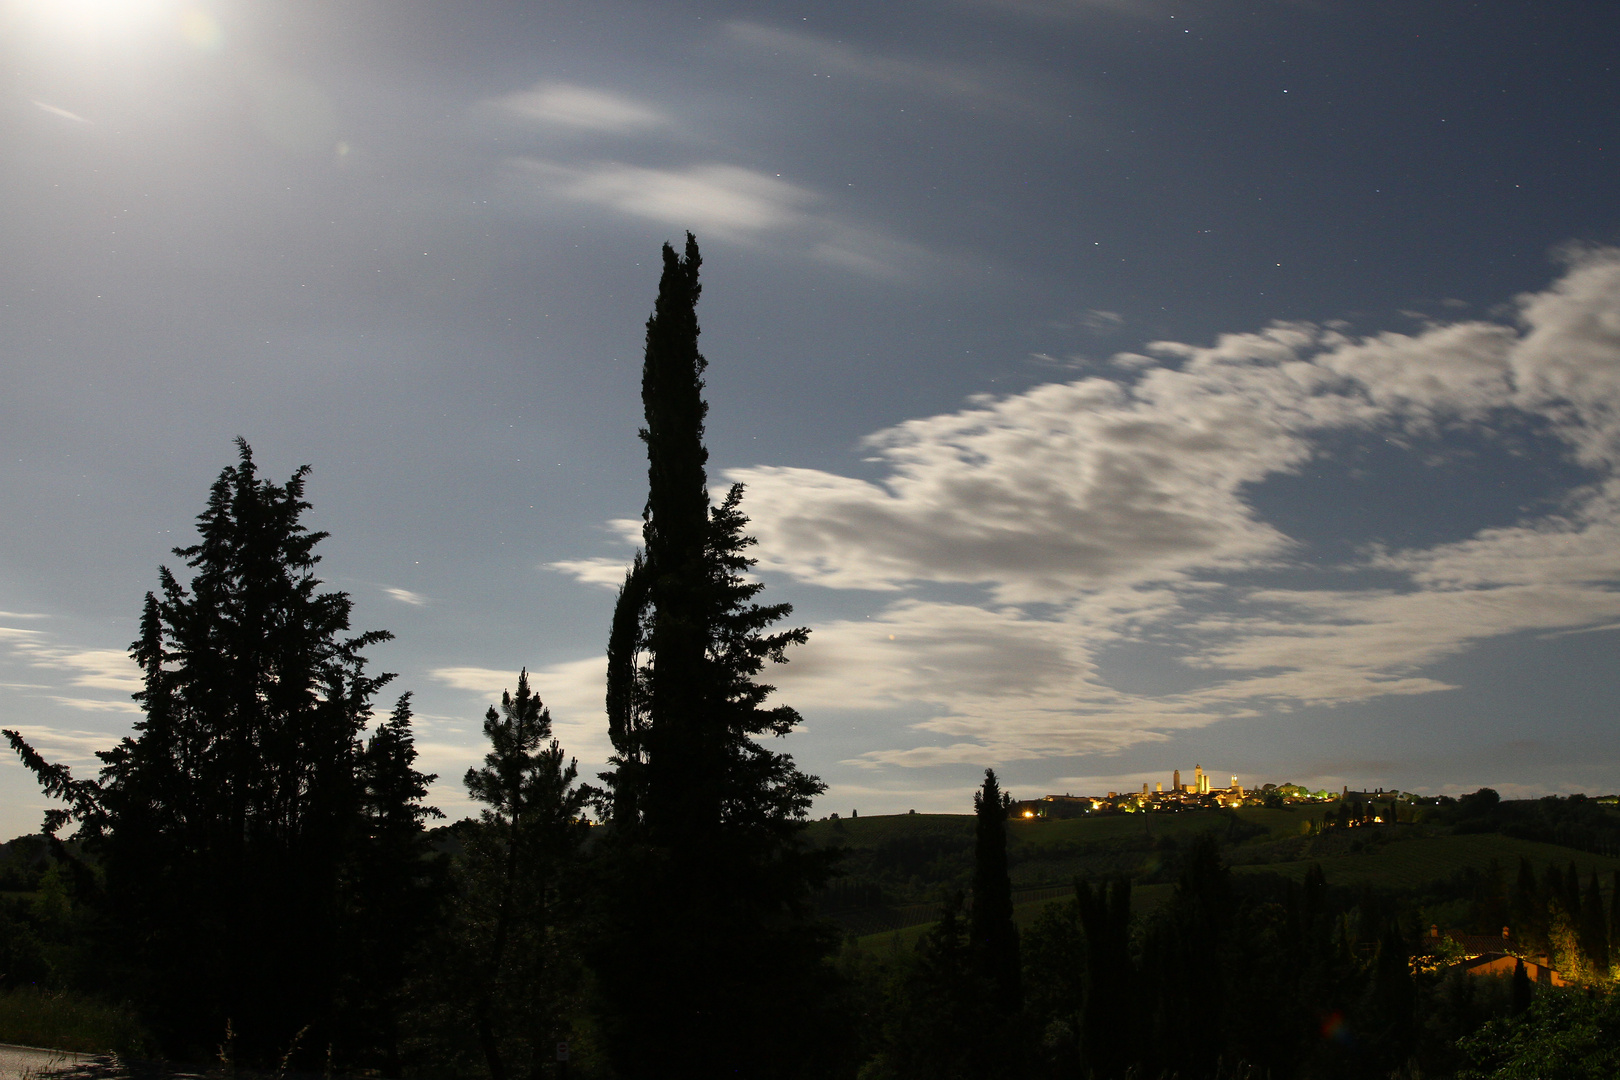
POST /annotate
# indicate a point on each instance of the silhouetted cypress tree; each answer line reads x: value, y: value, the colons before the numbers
x: 627, y: 694
x: 1529, y: 909
x: 1614, y: 916
x: 1392, y: 1001
x: 1108, y: 1010
x: 1521, y: 988
x: 1594, y: 926
x: 708, y: 961
x: 994, y: 937
x: 229, y: 824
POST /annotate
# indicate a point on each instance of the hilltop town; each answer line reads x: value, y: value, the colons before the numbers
x: 1200, y: 793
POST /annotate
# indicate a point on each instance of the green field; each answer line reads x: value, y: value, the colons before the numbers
x: 916, y: 859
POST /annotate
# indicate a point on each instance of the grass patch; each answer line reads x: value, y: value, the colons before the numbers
x: 59, y: 1020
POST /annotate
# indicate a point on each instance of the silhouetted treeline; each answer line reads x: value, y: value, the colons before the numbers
x: 1573, y: 821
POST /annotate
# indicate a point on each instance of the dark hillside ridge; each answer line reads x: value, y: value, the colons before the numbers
x: 898, y: 868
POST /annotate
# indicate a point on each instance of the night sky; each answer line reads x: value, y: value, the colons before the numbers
x: 1119, y: 385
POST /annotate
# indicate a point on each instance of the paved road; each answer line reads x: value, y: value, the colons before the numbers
x: 26, y: 1062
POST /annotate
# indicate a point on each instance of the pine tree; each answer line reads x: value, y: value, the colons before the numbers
x: 517, y: 898
x: 709, y: 961
x: 228, y: 824
x: 396, y: 889
x: 994, y: 937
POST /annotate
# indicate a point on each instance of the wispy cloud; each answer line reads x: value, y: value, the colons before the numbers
x: 713, y: 198
x: 1073, y: 9
x: 580, y: 107
x: 405, y: 596
x: 718, y: 200
x: 56, y: 110
x: 91, y: 669
x: 836, y: 60
x: 1098, y: 513
x: 67, y: 745
x: 602, y: 571
x: 97, y: 705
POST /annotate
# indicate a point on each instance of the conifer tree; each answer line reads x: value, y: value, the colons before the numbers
x: 517, y: 899
x: 709, y: 961
x: 936, y: 1027
x: 1108, y: 1019
x: 1594, y: 931
x: 1529, y: 909
x: 994, y: 937
x: 229, y: 824
x: 395, y: 890
x: 1614, y: 918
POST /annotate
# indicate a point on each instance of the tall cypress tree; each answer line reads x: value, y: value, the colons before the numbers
x: 995, y: 938
x: 1594, y: 929
x: 1614, y: 917
x: 1108, y: 1016
x: 1529, y: 909
x: 708, y: 962
x: 230, y: 823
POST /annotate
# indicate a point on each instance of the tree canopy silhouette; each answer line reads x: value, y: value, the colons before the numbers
x: 709, y: 960
x: 245, y: 817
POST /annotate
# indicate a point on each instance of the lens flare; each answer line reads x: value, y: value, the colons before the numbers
x: 1335, y: 1029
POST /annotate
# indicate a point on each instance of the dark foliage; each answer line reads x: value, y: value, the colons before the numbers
x: 1564, y: 1034
x: 506, y: 989
x: 241, y: 832
x: 1573, y: 821
x: 994, y: 938
x: 936, y: 1010
x: 707, y: 960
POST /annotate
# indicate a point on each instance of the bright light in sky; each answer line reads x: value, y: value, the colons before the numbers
x: 111, y: 21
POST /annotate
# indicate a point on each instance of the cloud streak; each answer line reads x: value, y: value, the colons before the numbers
x: 579, y: 107
x: 834, y: 59
x: 1098, y: 513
